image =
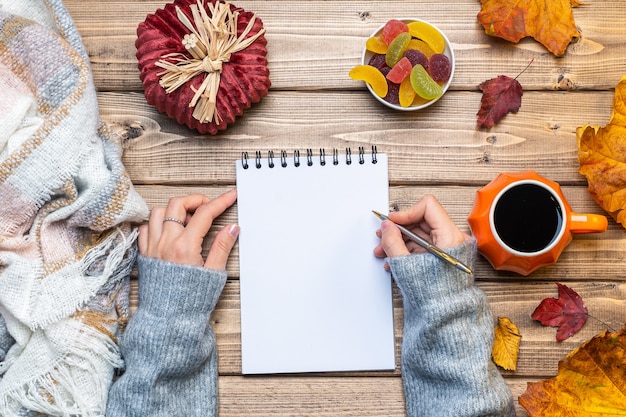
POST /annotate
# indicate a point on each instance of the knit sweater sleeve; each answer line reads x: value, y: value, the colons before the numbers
x: 169, y: 345
x: 447, y: 340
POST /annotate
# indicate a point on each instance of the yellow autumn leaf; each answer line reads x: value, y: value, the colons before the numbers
x: 602, y: 158
x: 590, y: 382
x: 506, y: 344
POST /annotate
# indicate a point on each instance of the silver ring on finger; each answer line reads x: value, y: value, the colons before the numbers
x: 175, y: 220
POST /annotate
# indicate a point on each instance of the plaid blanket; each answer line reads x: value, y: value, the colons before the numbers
x: 67, y: 209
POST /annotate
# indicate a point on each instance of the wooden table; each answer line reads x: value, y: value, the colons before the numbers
x: 314, y: 104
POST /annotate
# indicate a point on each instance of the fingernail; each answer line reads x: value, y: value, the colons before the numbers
x: 385, y: 225
x: 234, y: 230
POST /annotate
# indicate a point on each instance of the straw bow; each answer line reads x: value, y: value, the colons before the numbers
x: 211, y: 42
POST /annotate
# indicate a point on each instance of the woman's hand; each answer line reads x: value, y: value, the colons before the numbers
x: 427, y: 219
x: 175, y: 233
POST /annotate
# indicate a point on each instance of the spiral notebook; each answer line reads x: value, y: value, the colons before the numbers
x: 314, y: 298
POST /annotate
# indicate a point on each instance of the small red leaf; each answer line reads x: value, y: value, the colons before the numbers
x: 568, y: 312
x: 501, y: 95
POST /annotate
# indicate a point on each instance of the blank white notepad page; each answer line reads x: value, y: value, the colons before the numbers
x: 313, y: 296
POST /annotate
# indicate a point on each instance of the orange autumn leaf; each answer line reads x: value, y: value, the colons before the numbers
x: 506, y: 344
x: 602, y: 158
x: 591, y: 381
x: 550, y: 22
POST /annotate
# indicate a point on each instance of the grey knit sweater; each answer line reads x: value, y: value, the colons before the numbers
x: 447, y: 339
x: 171, y: 360
x: 169, y: 345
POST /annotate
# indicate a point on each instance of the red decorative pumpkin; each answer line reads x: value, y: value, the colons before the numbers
x: 188, y: 48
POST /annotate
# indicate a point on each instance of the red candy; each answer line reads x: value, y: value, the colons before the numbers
x: 440, y: 68
x: 416, y: 57
x: 400, y: 71
x: 393, y: 93
x: 378, y: 61
x: 392, y: 29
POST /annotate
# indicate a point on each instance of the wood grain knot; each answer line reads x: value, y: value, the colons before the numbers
x: 564, y: 82
x: 364, y: 16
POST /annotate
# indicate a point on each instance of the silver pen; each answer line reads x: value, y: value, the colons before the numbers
x: 428, y: 246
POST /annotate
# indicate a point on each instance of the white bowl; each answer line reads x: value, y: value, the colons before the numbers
x: 448, y: 51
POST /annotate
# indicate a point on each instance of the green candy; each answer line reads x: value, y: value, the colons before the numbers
x: 423, y: 84
x: 397, y: 47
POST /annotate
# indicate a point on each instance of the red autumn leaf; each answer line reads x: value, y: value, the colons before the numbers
x: 501, y: 95
x: 568, y: 312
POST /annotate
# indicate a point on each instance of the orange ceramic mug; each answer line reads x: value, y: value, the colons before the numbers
x: 523, y: 222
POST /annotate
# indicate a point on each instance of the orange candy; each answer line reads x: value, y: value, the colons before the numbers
x: 376, y: 44
x: 372, y: 76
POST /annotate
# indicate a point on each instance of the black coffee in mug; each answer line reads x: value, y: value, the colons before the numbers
x: 527, y: 218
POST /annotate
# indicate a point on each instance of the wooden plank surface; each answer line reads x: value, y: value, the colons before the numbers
x: 320, y: 397
x: 314, y: 104
x: 440, y: 144
x: 313, y: 44
x: 588, y: 258
x: 539, y: 353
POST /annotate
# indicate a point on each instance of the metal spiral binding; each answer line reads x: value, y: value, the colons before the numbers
x: 258, y: 157
x: 296, y: 158
x: 283, y: 159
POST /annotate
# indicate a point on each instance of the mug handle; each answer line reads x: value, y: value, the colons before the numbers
x: 587, y: 223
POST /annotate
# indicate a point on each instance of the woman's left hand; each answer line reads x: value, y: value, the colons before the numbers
x: 175, y: 233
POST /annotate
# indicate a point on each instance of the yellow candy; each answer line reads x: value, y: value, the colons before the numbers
x: 407, y: 93
x: 372, y: 76
x: 428, y: 34
x: 419, y: 100
x: 421, y: 46
x: 376, y: 44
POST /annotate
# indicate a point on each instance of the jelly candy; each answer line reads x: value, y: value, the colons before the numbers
x: 439, y: 68
x: 421, y: 46
x: 423, y: 85
x: 393, y: 93
x: 392, y: 29
x: 416, y: 57
x: 406, y: 94
x: 396, y: 49
x: 376, y: 44
x: 428, y: 34
x: 400, y: 71
x: 372, y: 76
x: 378, y: 61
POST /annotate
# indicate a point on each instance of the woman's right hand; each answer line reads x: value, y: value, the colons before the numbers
x: 427, y: 219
